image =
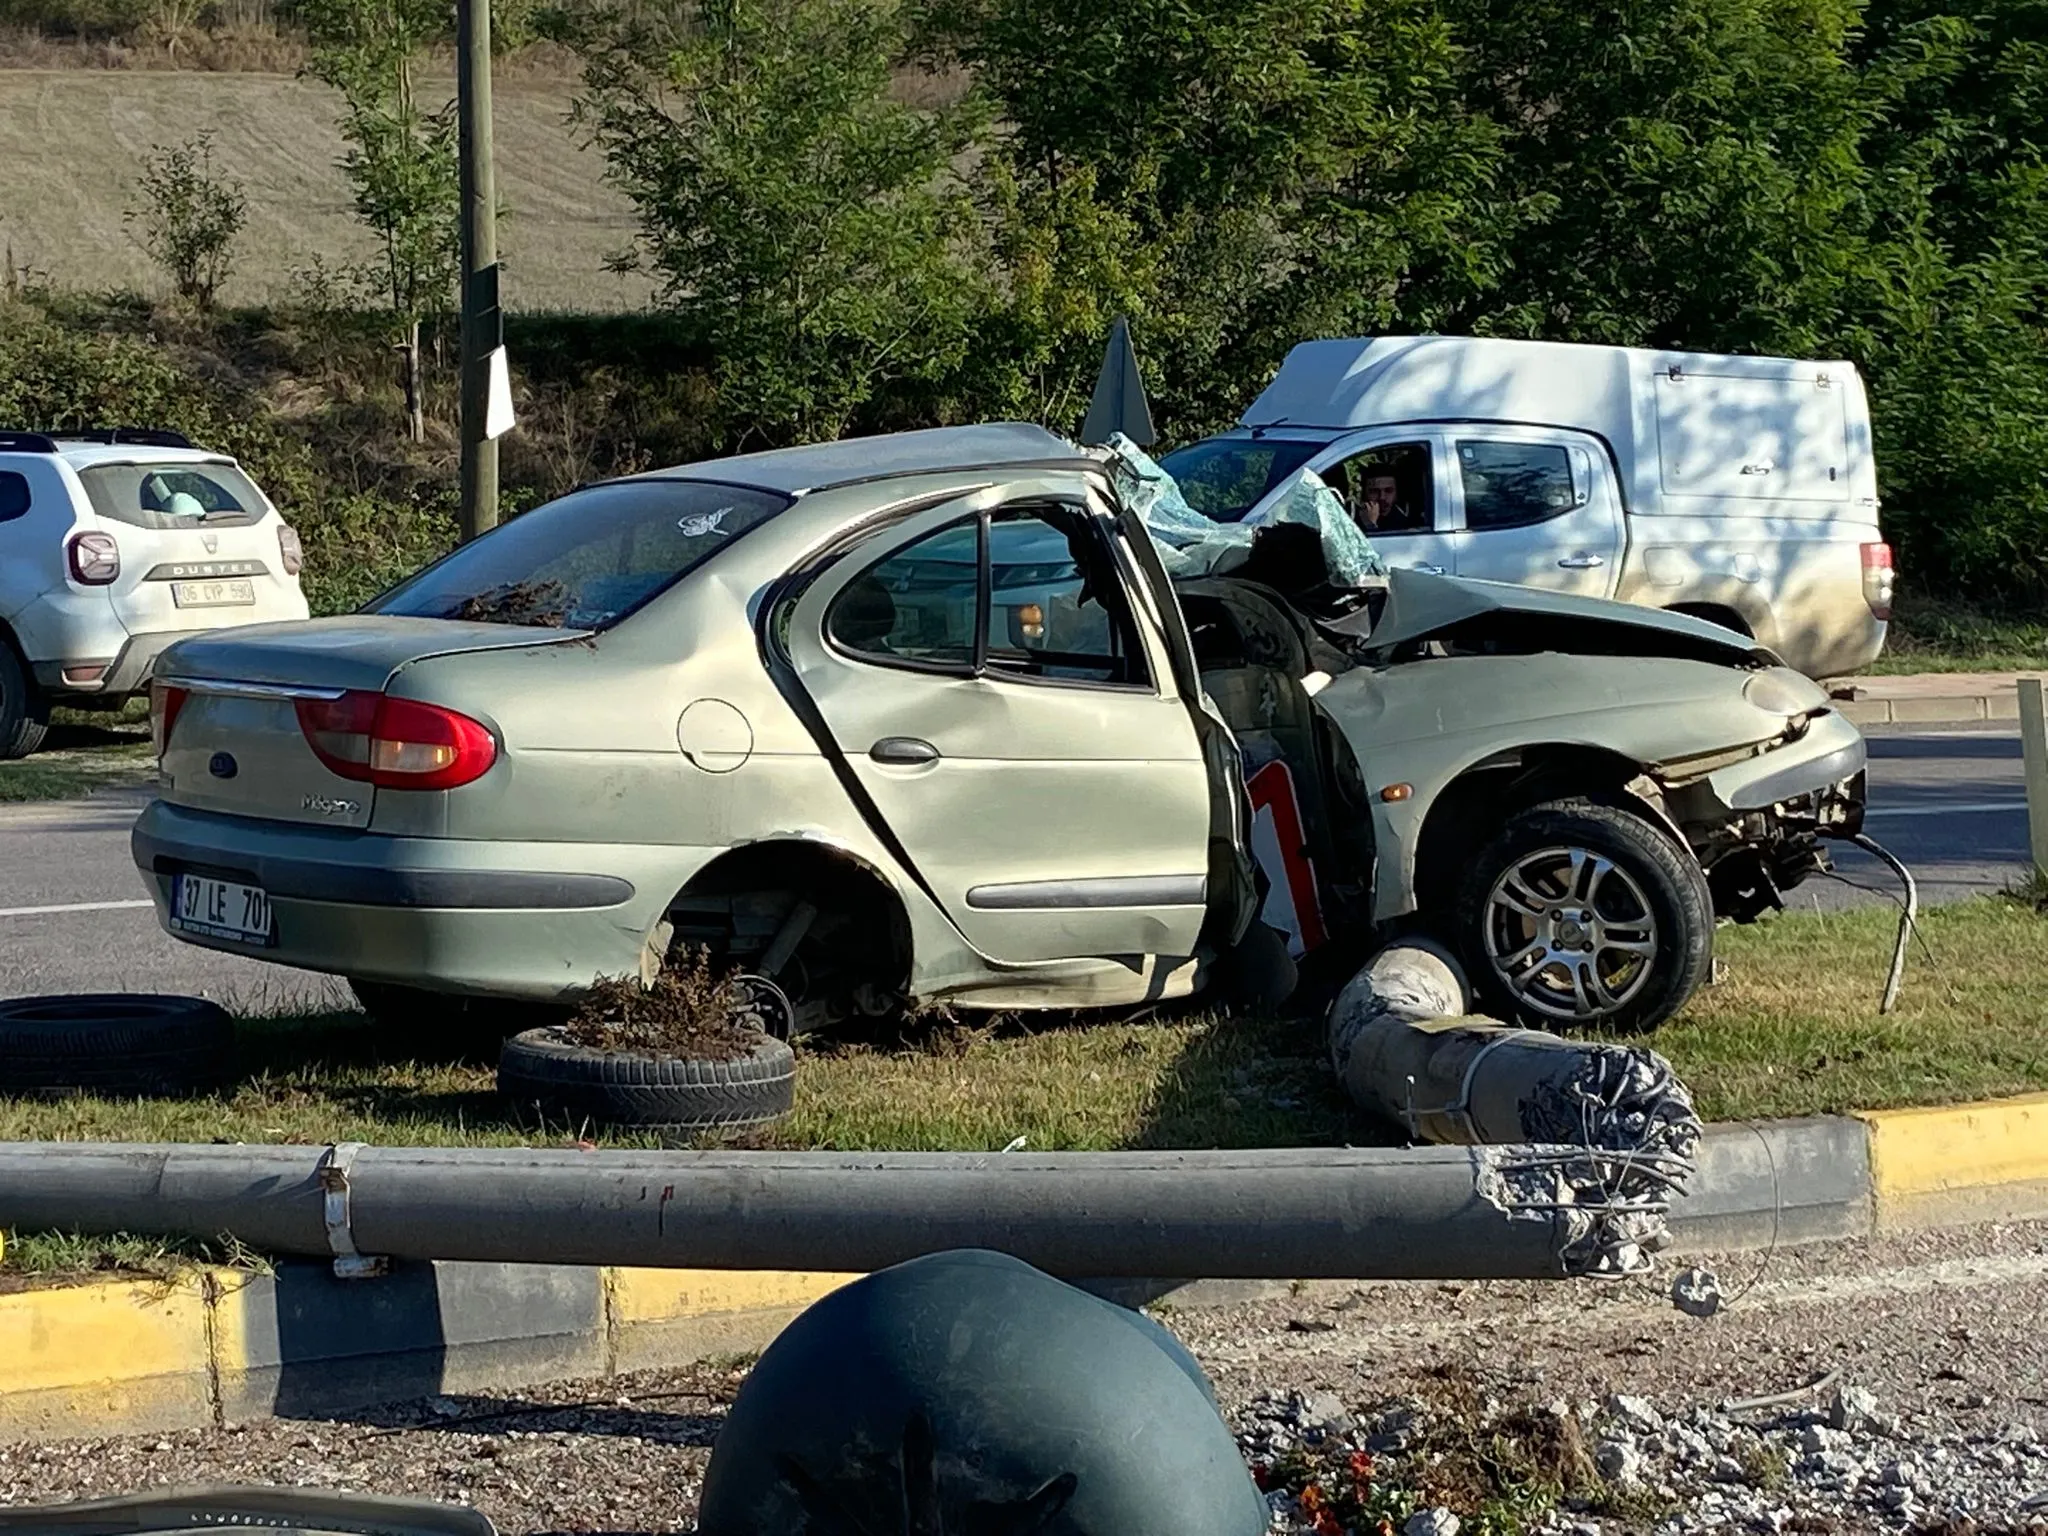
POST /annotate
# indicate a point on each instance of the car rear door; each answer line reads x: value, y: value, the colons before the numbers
x: 1011, y: 719
x: 1539, y: 509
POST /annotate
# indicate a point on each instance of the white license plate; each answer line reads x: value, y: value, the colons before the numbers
x: 212, y: 594
x: 220, y: 909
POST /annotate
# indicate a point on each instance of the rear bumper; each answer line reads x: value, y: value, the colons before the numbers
x: 526, y: 920
x: 127, y: 670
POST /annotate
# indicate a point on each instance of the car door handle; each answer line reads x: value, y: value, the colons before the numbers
x: 904, y: 751
x: 1581, y: 562
x: 1430, y: 570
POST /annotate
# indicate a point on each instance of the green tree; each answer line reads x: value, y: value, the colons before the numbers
x: 401, y: 159
x: 1236, y: 176
x: 1958, y: 333
x: 811, y: 225
x: 191, y: 218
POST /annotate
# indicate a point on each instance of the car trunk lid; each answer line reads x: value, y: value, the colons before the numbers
x: 236, y: 743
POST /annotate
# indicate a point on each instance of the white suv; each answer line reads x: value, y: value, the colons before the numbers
x: 113, y: 544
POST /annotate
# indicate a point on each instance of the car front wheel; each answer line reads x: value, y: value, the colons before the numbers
x: 1585, y: 915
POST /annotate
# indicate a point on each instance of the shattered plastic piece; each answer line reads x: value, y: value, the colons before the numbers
x: 1696, y: 1292
x: 1191, y: 544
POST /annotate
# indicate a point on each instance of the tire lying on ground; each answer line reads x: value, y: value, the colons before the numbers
x: 116, y: 1045
x: 550, y: 1080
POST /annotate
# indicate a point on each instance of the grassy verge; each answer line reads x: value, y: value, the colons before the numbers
x: 1931, y: 634
x: 82, y: 754
x: 1792, y: 1029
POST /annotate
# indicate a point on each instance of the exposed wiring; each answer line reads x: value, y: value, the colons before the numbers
x: 1908, y: 921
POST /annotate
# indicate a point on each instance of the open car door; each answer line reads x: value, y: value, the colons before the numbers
x: 1014, y: 720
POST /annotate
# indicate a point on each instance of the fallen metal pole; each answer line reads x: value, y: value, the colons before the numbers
x: 1370, y: 1213
x: 1406, y: 1050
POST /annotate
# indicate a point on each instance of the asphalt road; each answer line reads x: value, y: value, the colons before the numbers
x: 73, y: 916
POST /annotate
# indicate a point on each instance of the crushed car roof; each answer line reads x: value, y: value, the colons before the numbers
x: 816, y: 466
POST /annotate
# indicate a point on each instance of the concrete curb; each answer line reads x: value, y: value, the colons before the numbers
x: 1933, y: 698
x: 220, y: 1346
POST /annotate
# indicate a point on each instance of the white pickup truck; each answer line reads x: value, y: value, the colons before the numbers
x: 1736, y: 489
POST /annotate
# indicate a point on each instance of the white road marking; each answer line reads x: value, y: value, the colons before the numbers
x: 1949, y: 810
x: 75, y: 906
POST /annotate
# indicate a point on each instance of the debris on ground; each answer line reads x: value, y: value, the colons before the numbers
x: 1696, y: 1292
x: 693, y: 1010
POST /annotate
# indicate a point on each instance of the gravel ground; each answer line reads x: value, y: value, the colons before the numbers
x: 1485, y: 1399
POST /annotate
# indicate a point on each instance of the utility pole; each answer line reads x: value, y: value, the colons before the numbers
x: 483, y: 331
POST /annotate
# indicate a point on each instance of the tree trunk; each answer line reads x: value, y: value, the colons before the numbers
x: 415, y: 391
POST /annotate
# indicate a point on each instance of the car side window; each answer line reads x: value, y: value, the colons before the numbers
x: 13, y: 495
x: 1054, y: 602
x: 1511, y: 485
x: 918, y: 607
x: 1057, y: 605
x: 1387, y: 489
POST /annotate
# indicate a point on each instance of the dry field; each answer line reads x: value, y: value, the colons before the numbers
x: 71, y: 148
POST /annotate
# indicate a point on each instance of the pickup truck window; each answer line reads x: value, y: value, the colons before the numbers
x: 1386, y: 489
x: 1510, y: 485
x: 1225, y: 477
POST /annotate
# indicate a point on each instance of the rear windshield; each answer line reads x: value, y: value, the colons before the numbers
x: 1224, y: 477
x: 169, y: 496
x: 587, y: 560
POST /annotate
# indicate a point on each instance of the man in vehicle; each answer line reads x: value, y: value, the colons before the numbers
x: 1379, y: 501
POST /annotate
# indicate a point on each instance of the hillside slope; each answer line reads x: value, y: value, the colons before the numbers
x: 72, y: 142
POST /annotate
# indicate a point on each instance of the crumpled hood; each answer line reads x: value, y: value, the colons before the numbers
x: 1419, y: 607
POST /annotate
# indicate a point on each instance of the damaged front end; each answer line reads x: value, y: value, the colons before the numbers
x: 1758, y: 817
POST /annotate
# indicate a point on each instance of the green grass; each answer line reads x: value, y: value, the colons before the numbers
x: 83, y: 753
x: 47, y: 1257
x: 1931, y: 634
x: 1791, y: 1029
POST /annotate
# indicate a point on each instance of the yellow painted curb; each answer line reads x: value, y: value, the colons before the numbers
x: 76, y: 1359
x: 1959, y: 1161
x: 665, y: 1295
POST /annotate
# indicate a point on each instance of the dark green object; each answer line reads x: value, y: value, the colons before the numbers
x: 968, y: 1394
x: 1119, y: 403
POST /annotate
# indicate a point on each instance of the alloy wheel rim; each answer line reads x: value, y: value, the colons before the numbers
x: 1570, y: 933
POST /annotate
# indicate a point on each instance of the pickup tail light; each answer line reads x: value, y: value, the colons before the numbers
x: 95, y: 559
x: 371, y: 738
x: 290, y: 550
x: 1877, y: 579
x: 165, y: 700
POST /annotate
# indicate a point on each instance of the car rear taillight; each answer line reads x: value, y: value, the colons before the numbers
x: 289, y: 550
x: 396, y: 743
x: 1877, y: 579
x: 165, y: 700
x: 95, y: 559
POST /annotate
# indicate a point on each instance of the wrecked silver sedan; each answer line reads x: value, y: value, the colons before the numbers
x: 968, y: 717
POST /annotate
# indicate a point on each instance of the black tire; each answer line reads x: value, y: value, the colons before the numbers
x: 549, y: 1081
x: 114, y: 1045
x: 24, y: 712
x: 448, y: 1018
x: 1583, y: 976
x: 1257, y: 972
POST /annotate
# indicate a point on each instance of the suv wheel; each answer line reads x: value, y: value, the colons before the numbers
x: 24, y: 712
x: 1586, y: 915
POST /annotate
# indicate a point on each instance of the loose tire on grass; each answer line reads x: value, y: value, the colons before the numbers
x: 549, y: 1080
x: 1534, y: 946
x: 114, y: 1045
x: 24, y: 712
